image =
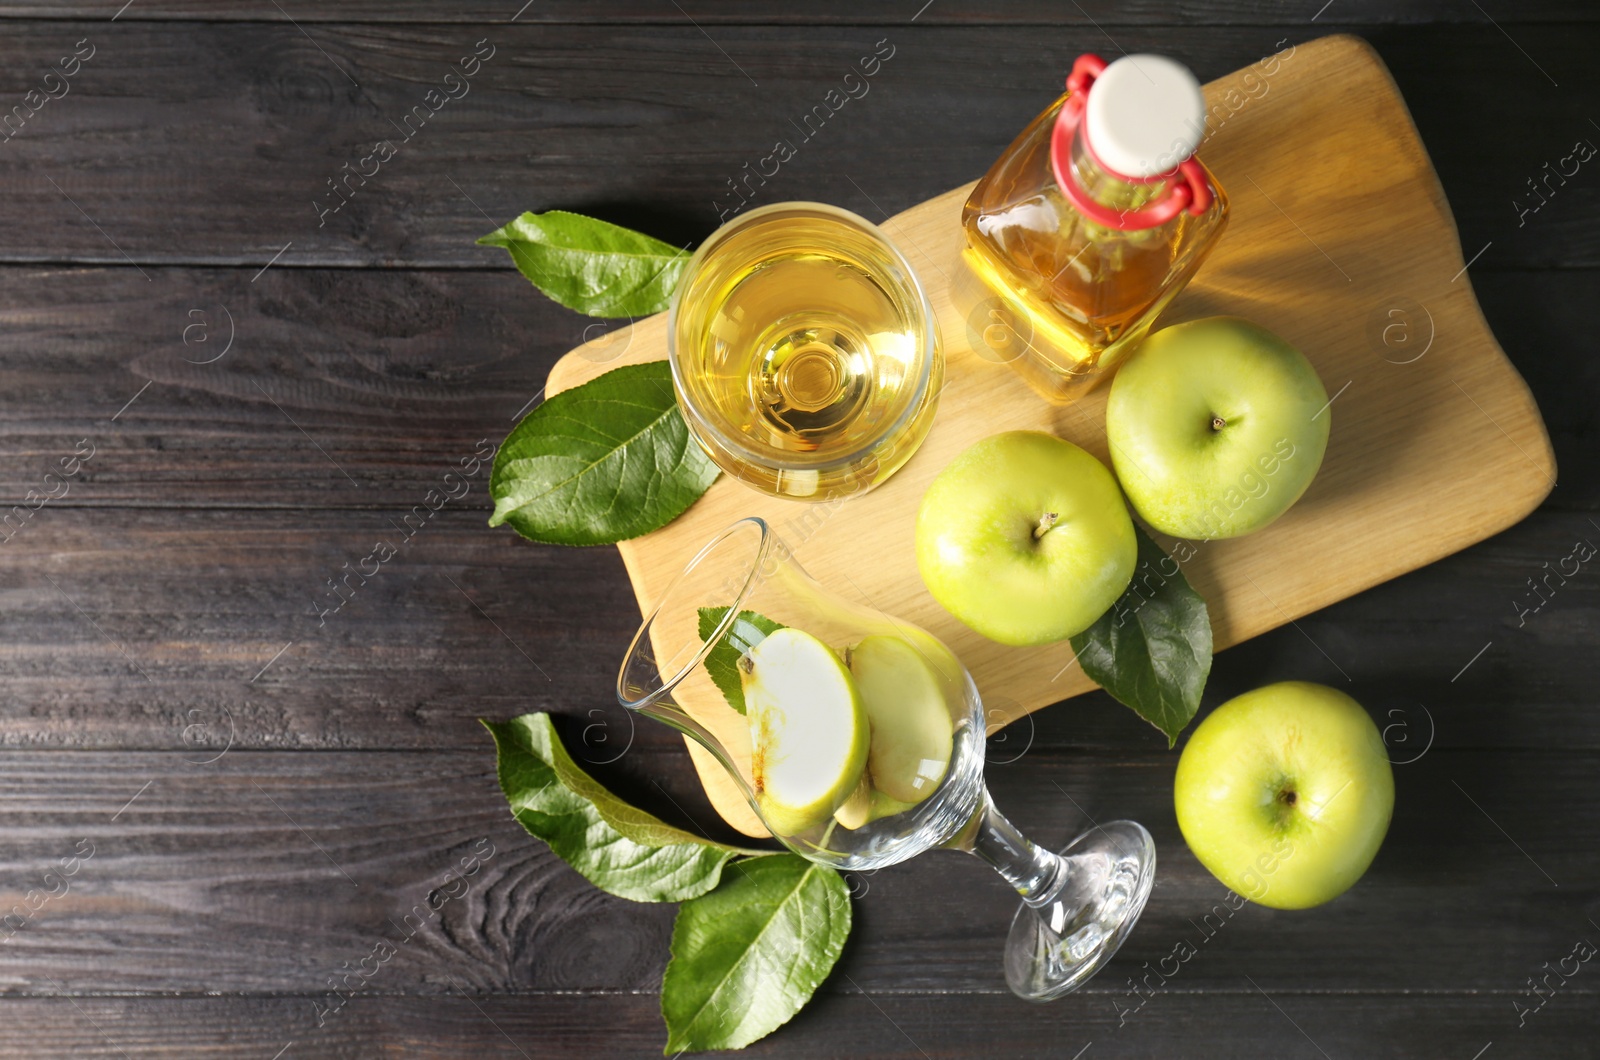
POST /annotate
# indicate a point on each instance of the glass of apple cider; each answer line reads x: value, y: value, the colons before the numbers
x: 804, y: 351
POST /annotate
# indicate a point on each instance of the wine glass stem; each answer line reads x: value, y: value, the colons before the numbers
x: 1037, y: 874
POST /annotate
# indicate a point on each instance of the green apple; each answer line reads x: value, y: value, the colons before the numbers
x: 912, y: 735
x: 808, y: 732
x: 1285, y: 794
x: 911, y: 729
x: 1025, y: 538
x: 1216, y: 427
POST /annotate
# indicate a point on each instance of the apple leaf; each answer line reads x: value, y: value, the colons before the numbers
x: 620, y: 849
x: 1152, y: 649
x: 592, y: 266
x: 747, y: 956
x: 722, y: 662
x: 600, y: 463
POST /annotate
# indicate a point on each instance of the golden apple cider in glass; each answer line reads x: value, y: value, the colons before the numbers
x: 804, y: 352
x: 1096, y: 217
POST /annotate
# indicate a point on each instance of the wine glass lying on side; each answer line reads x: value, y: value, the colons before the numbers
x: 858, y: 739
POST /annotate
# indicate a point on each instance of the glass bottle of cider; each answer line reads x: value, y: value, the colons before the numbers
x: 1092, y: 221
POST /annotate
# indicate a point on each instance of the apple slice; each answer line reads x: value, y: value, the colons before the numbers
x: 857, y: 809
x: 911, y: 730
x: 866, y: 805
x: 808, y: 731
x: 884, y: 806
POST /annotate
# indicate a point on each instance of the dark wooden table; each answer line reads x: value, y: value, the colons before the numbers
x: 249, y: 789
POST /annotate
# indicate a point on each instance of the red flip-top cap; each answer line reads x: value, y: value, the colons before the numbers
x: 1135, y: 140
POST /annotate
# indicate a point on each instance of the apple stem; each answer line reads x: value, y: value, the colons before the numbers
x: 1046, y: 521
x: 1217, y: 423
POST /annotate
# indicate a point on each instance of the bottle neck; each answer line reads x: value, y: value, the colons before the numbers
x: 1105, y: 187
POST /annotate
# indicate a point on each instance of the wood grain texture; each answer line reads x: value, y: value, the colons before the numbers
x: 1425, y: 458
x: 264, y: 872
x: 194, y: 536
x: 828, y: 12
x: 1244, y: 1024
x: 208, y: 387
x: 226, y: 621
x: 209, y: 143
x: 395, y: 376
x: 466, y: 622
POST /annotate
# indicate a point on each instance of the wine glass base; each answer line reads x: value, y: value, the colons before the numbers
x: 1062, y: 937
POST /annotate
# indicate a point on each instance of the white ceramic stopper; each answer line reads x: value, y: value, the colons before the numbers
x: 1146, y: 114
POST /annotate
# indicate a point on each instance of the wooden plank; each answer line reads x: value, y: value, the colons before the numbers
x: 341, y: 388
x: 395, y: 377
x: 1535, y: 316
x: 264, y: 872
x: 827, y: 12
x: 212, y: 145
x: 259, y: 871
x: 227, y: 621
x: 1412, y: 473
x: 1244, y: 1024
x: 203, y: 602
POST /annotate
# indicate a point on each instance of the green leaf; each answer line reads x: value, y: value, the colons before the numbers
x: 1152, y: 649
x: 618, y: 848
x: 722, y: 662
x: 592, y: 266
x: 600, y: 463
x: 747, y: 956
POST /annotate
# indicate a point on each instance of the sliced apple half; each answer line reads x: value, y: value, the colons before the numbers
x: 911, y: 729
x: 808, y: 732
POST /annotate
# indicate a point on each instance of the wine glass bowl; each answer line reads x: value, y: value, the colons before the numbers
x: 858, y: 740
x: 805, y: 353
x: 671, y: 674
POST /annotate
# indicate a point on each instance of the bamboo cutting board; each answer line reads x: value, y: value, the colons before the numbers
x: 1340, y: 241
